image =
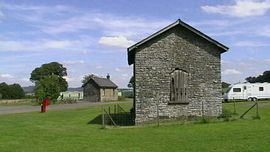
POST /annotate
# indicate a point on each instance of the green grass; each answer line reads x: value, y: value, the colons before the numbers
x: 69, y: 131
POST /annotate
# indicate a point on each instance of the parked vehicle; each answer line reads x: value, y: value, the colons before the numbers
x: 248, y: 91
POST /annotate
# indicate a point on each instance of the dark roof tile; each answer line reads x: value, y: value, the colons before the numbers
x: 102, y: 82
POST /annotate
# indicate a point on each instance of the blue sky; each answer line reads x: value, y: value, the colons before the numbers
x: 92, y: 36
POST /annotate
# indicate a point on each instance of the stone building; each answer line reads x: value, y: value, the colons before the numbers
x: 177, y: 71
x: 99, y: 89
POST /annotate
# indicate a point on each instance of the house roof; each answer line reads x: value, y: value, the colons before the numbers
x: 101, y: 82
x: 75, y: 89
x: 131, y: 50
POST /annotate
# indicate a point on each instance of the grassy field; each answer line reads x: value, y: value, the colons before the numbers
x: 69, y: 131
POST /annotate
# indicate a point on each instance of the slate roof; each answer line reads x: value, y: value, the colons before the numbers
x: 102, y: 82
x: 132, y: 52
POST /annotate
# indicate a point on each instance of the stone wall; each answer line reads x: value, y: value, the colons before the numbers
x: 157, y: 58
x: 108, y: 94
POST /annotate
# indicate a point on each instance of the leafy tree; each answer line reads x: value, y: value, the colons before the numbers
x: 53, y: 68
x: 48, y: 87
x: 49, y: 80
x: 251, y: 79
x: 13, y: 91
x: 86, y: 78
x: 265, y: 77
x: 4, y: 90
x: 131, y: 82
x: 16, y: 91
x: 225, y: 85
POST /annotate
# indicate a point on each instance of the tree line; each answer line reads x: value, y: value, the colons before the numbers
x: 13, y: 91
x: 265, y: 77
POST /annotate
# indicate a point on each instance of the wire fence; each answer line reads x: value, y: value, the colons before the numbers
x: 115, y: 115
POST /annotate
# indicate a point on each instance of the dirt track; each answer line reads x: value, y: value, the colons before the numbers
x: 28, y: 108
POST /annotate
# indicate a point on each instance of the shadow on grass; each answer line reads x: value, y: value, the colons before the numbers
x: 120, y: 119
x: 97, y: 120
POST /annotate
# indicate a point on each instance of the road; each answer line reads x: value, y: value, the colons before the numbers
x: 29, y: 108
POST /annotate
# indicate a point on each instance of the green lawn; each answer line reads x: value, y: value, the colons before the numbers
x: 68, y: 130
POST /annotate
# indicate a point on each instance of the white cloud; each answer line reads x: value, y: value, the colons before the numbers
x: 250, y: 44
x: 117, y: 69
x: 246, y: 66
x: 110, y: 24
x: 99, y: 67
x: 39, y: 45
x: 116, y: 41
x: 9, y: 76
x: 73, y: 62
x: 241, y: 8
x: 231, y: 72
x: 125, y: 75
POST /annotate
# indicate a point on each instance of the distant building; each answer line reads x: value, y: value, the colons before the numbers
x: 125, y: 92
x: 177, y: 69
x: 72, y: 93
x: 98, y: 89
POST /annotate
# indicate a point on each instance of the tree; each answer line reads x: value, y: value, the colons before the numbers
x: 86, y: 78
x: 53, y: 68
x: 251, y: 79
x: 131, y: 82
x: 265, y: 77
x: 225, y: 85
x: 49, y: 80
x: 13, y: 91
x: 16, y: 91
x: 4, y: 90
x: 48, y: 87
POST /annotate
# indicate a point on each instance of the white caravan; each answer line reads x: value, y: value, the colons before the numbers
x: 248, y: 91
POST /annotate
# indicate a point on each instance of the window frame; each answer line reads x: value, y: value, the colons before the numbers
x: 236, y: 90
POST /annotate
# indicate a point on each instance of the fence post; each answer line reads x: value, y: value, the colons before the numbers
x: 103, y: 121
x: 158, y: 112
x: 234, y: 109
x: 257, y: 108
x: 202, y: 109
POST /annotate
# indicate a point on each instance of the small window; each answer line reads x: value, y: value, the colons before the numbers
x: 260, y: 88
x: 236, y: 89
x: 245, y: 87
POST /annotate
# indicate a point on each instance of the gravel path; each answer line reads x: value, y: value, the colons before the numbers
x: 28, y: 108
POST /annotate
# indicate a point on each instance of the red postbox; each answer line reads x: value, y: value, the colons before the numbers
x: 45, y: 103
